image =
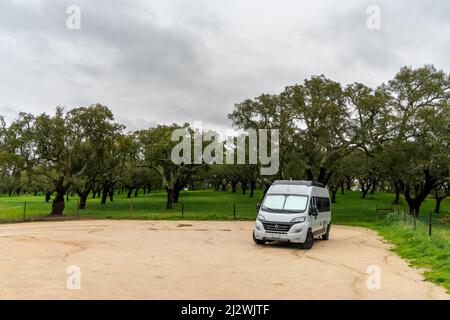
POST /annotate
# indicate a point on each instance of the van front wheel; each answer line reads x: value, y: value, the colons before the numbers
x: 309, y: 240
x: 257, y: 241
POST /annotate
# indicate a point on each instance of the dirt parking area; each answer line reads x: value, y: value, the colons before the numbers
x: 197, y: 260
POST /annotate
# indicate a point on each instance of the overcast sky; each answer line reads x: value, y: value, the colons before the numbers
x: 164, y: 61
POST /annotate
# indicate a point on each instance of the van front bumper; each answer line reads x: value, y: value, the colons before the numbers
x: 296, y: 234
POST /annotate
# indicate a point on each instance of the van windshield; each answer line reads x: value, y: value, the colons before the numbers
x: 284, y: 203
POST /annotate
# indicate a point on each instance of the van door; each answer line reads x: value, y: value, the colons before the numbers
x: 326, y: 214
x: 315, y: 220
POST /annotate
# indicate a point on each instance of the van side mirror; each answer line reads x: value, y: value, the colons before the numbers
x: 258, y: 206
x: 313, y: 211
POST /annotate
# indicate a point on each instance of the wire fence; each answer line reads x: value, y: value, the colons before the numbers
x: 425, y: 221
x: 141, y: 208
x: 134, y: 208
x: 34, y: 210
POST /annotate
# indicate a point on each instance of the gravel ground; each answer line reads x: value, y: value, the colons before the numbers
x: 197, y: 260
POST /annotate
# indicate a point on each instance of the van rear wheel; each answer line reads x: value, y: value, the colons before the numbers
x: 257, y: 241
x: 326, y: 236
x: 309, y: 240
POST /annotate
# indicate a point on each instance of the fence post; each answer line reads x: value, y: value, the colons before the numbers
x: 414, y: 214
x: 430, y: 223
x: 234, y: 210
x: 24, y: 210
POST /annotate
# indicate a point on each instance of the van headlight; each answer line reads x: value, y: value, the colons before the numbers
x: 298, y: 220
x: 261, y: 217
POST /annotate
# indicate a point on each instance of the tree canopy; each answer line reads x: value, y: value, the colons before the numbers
x: 393, y: 137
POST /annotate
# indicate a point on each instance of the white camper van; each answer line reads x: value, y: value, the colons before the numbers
x: 293, y: 211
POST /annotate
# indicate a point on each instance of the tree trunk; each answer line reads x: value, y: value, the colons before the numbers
x: 111, y: 194
x: 130, y: 191
x: 364, y: 189
x: 170, y: 198
x: 47, y: 196
x: 266, y: 188
x: 233, y: 186
x: 136, y: 192
x: 364, y: 193
x: 397, y: 192
x: 94, y: 194
x: 83, y: 200
x: 309, y: 174
x: 373, y: 188
x: 439, y: 199
x: 252, y: 188
x: 333, y: 194
x: 176, y: 195
x: 35, y: 192
x: 414, y: 206
x: 421, y: 192
x: 349, y: 183
x: 413, y: 203
x: 342, y: 188
x: 58, y: 204
x: 437, y: 207
x: 324, y: 175
x: 244, y: 186
x: 106, y: 190
x: 104, y: 196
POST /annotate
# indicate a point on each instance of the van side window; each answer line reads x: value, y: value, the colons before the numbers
x: 323, y: 204
x: 319, y: 204
x: 313, y: 202
x: 326, y: 204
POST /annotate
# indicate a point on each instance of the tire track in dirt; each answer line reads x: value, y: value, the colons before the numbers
x: 359, y: 276
x: 77, y: 246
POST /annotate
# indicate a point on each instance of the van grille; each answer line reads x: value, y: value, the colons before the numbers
x: 277, y: 227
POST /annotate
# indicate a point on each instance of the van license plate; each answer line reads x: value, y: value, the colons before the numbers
x: 276, y: 236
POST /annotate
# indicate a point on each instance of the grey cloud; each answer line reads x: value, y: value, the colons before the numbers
x: 180, y: 61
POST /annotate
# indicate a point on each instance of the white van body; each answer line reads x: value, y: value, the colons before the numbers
x: 293, y: 211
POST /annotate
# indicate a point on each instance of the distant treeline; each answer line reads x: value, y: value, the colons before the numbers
x: 395, y: 137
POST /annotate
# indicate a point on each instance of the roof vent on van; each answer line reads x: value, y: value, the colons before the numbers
x: 298, y: 183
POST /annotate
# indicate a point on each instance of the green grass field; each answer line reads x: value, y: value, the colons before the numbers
x: 417, y: 247
x: 350, y: 209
